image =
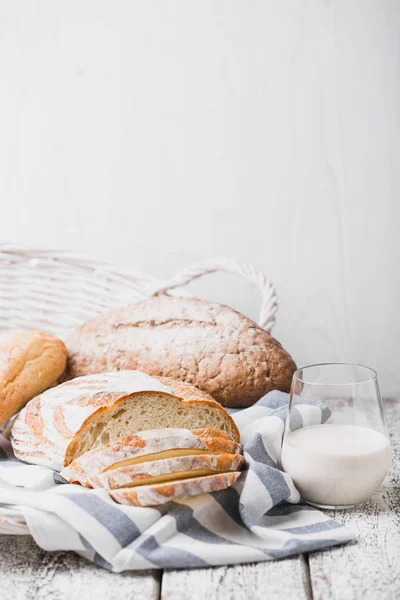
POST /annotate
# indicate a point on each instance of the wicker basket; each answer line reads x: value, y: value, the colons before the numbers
x: 57, y: 291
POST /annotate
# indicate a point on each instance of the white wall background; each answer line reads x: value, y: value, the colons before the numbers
x: 158, y: 133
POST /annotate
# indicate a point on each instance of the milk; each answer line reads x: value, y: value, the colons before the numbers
x: 336, y: 465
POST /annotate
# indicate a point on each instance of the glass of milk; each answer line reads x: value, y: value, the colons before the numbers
x: 335, y: 445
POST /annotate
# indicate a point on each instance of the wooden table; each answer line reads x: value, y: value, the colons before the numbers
x: 368, y: 569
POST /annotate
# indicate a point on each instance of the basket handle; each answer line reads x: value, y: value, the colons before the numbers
x: 269, y: 303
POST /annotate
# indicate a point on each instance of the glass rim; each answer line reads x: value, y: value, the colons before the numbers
x: 373, y: 373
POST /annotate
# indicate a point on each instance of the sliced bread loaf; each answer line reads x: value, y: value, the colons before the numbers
x: 152, y: 495
x: 66, y: 421
x: 156, y: 445
x: 168, y: 469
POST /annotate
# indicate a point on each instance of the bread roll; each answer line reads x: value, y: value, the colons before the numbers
x: 79, y: 415
x: 152, y: 495
x: 30, y: 362
x: 149, y: 447
x: 202, y: 343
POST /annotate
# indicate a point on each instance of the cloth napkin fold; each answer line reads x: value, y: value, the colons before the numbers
x: 259, y: 519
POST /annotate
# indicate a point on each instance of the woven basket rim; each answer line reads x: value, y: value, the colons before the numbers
x: 17, y: 252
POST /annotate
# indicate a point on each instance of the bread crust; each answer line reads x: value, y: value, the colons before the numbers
x: 48, y: 429
x: 30, y: 362
x: 153, y: 495
x: 208, y: 345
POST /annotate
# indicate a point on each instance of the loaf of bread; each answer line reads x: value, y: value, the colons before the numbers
x: 205, y: 344
x: 148, y: 448
x: 152, y: 495
x: 66, y: 421
x: 30, y: 362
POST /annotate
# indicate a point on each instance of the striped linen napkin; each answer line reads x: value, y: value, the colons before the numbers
x: 259, y: 519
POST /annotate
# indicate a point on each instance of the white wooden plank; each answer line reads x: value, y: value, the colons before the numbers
x: 369, y: 568
x: 277, y: 579
x: 27, y: 572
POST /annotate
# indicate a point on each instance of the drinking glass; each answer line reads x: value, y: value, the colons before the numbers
x: 335, y: 444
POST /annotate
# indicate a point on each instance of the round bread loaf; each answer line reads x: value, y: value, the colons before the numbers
x: 205, y: 344
x: 79, y: 415
x: 30, y: 362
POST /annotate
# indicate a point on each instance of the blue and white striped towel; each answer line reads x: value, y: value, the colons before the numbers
x: 257, y: 520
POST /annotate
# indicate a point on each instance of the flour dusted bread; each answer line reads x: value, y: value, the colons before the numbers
x: 148, y: 447
x: 152, y: 495
x: 30, y: 362
x: 202, y: 343
x: 87, y: 412
x: 169, y: 469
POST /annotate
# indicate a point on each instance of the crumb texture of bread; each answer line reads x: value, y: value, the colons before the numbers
x: 153, y: 495
x: 146, y: 411
x: 208, y: 345
x: 146, y: 447
x: 87, y: 412
x: 30, y: 362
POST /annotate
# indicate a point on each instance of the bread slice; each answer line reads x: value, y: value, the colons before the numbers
x: 152, y: 495
x: 168, y: 469
x: 155, y: 445
x: 87, y: 412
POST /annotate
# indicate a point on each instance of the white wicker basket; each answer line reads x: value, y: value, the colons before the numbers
x: 57, y: 291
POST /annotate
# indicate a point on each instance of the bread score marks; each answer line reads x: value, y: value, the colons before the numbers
x: 148, y: 446
x: 207, y: 344
x: 60, y: 412
x: 169, y: 469
x: 153, y: 495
